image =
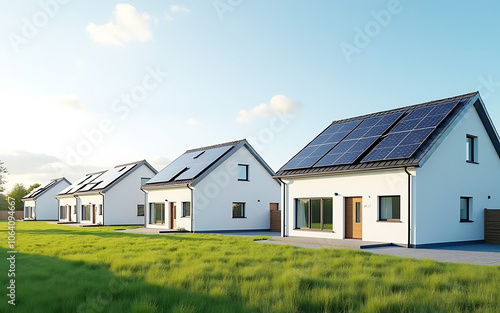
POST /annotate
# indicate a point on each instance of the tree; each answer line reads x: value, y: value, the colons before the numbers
x: 4, y: 205
x: 3, y: 172
x: 33, y: 187
x: 17, y: 193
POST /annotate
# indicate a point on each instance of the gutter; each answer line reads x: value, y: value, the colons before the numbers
x: 283, y: 234
x: 102, y: 194
x: 192, y: 208
x: 409, y: 204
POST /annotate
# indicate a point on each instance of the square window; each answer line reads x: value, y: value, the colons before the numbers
x: 242, y: 172
x: 465, y: 206
x: 140, y: 210
x: 186, y: 209
x: 389, y: 208
x: 238, y: 209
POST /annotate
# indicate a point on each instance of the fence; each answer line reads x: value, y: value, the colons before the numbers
x: 275, y: 217
x: 17, y: 214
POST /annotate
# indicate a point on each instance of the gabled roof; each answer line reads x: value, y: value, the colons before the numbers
x: 195, y: 164
x: 399, y: 135
x: 104, y: 180
x: 37, y: 192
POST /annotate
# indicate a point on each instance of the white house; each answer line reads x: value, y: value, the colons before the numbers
x: 398, y: 176
x: 111, y: 197
x: 40, y: 203
x: 217, y: 188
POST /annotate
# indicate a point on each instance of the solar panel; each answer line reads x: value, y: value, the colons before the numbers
x: 189, y: 165
x: 321, y: 145
x: 405, y: 139
x: 359, y: 140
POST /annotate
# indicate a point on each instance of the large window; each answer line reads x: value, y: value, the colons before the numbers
x: 243, y: 172
x: 314, y: 214
x: 389, y: 208
x: 186, y: 209
x: 238, y: 209
x: 465, y: 209
x: 471, y: 149
x: 64, y: 212
x: 86, y: 212
x: 157, y: 213
x: 140, y: 210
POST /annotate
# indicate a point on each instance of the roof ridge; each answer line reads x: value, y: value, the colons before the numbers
x: 130, y: 163
x: 229, y: 143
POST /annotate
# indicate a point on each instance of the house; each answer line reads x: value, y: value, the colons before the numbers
x: 40, y: 203
x: 110, y: 197
x: 216, y: 188
x: 413, y: 176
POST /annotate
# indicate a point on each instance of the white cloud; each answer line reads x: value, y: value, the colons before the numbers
x: 127, y: 25
x: 192, y: 121
x: 176, y: 8
x: 279, y: 104
x: 65, y: 102
x: 168, y: 17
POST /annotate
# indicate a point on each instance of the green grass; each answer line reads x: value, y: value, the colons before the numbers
x: 68, y: 269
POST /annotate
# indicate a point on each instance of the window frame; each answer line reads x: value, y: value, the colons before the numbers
x: 472, y: 151
x: 143, y: 210
x: 243, y: 211
x: 246, y: 172
x: 99, y: 209
x: 389, y: 220
x: 152, y: 205
x: 84, y: 207
x: 322, y: 214
x: 468, y: 209
x: 184, y: 209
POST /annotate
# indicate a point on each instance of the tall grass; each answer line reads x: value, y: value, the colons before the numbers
x: 66, y: 269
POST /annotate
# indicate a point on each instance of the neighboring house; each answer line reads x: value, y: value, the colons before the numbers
x: 216, y: 188
x: 40, y: 203
x: 415, y: 176
x: 111, y: 197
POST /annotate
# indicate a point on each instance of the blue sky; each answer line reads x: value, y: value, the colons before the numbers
x: 292, y: 66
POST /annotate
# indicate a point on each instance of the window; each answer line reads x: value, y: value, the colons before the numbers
x: 314, y: 214
x: 389, y: 208
x: 186, y: 209
x: 86, y: 212
x: 100, y: 209
x: 140, y: 210
x: 465, y: 209
x: 242, y: 172
x: 238, y: 209
x: 64, y: 212
x: 157, y: 213
x: 471, y: 149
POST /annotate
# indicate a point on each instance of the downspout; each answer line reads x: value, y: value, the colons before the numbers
x: 77, y: 209
x: 192, y: 207
x: 58, y: 209
x: 145, y: 206
x: 409, y: 204
x: 102, y: 194
x: 284, y: 208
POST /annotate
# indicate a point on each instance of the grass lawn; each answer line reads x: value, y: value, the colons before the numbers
x: 67, y: 269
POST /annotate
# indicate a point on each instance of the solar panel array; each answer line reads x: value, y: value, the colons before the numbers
x: 189, y: 165
x: 37, y: 191
x: 390, y: 136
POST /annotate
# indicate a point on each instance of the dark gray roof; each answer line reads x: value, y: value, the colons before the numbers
x: 195, y: 164
x: 104, y: 180
x: 416, y: 158
x: 37, y: 192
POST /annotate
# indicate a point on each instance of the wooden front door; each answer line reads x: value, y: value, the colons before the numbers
x: 172, y: 215
x: 353, y: 218
x: 94, y: 208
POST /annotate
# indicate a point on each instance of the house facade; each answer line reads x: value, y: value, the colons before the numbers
x: 111, y: 197
x: 223, y: 187
x: 40, y: 203
x: 414, y: 176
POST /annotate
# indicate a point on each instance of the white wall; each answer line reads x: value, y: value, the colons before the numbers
x: 173, y: 194
x: 29, y: 203
x: 215, y: 194
x: 368, y: 185
x: 90, y: 199
x: 69, y: 201
x: 46, y: 204
x: 446, y: 176
x: 121, y: 200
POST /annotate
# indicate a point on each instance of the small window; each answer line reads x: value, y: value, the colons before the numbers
x: 471, y: 149
x: 238, y: 209
x: 140, y: 210
x: 100, y: 209
x: 186, y: 209
x: 390, y: 208
x: 465, y: 206
x: 242, y: 172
